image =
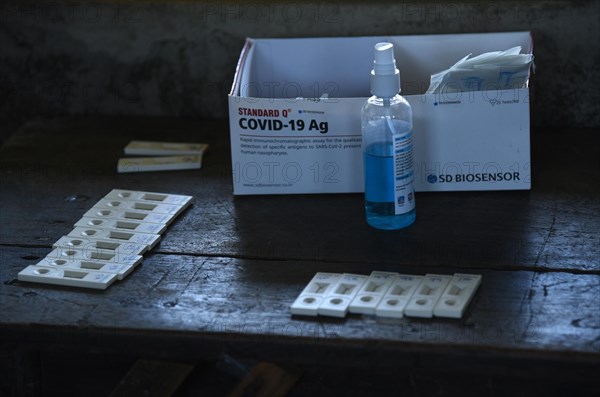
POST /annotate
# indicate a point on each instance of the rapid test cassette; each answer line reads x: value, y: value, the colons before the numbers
x: 129, y: 215
x: 149, y: 197
x: 149, y: 240
x: 140, y: 206
x: 120, y: 224
x: 68, y: 277
x: 104, y: 256
x: 457, y: 295
x: 88, y: 244
x: 153, y: 148
x: 426, y: 296
x: 314, y: 293
x: 152, y: 164
x: 86, y: 265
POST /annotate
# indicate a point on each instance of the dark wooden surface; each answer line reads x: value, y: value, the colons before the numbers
x: 223, y: 276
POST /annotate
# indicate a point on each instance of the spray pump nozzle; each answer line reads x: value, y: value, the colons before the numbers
x: 385, y: 78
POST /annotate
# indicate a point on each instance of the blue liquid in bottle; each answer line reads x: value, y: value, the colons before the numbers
x: 379, y: 189
x: 386, y: 123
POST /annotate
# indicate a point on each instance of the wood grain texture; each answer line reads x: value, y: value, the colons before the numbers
x: 521, y: 335
x: 230, y: 298
x: 226, y: 271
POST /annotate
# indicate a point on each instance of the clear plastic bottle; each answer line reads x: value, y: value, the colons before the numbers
x: 387, y: 147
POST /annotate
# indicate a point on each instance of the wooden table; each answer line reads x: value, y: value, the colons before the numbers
x: 222, y: 279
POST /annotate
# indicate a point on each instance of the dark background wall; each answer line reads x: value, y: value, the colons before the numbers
x: 178, y: 58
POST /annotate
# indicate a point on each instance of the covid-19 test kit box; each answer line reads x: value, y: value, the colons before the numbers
x: 295, y: 106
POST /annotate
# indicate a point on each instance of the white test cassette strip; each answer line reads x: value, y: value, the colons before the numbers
x: 152, y: 148
x: 120, y: 224
x: 131, y: 215
x: 457, y: 295
x: 88, y: 244
x: 102, y: 256
x: 107, y: 243
x: 120, y: 269
x: 426, y: 296
x: 371, y: 292
x: 166, y: 163
x: 150, y: 197
x: 67, y: 277
x: 338, y: 299
x: 397, y: 296
x: 387, y: 294
x: 311, y: 297
x: 149, y: 240
x: 140, y: 206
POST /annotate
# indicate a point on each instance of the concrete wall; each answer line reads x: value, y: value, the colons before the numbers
x: 178, y: 58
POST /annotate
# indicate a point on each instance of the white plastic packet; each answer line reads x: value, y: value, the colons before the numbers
x: 497, y: 70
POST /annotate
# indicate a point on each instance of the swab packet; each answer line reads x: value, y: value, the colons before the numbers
x: 497, y: 70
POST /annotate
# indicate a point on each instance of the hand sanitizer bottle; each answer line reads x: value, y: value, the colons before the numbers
x: 387, y: 147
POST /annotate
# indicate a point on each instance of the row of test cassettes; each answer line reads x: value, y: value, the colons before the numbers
x: 387, y: 294
x: 109, y: 241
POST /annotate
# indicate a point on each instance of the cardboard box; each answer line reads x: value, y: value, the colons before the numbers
x: 295, y: 105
